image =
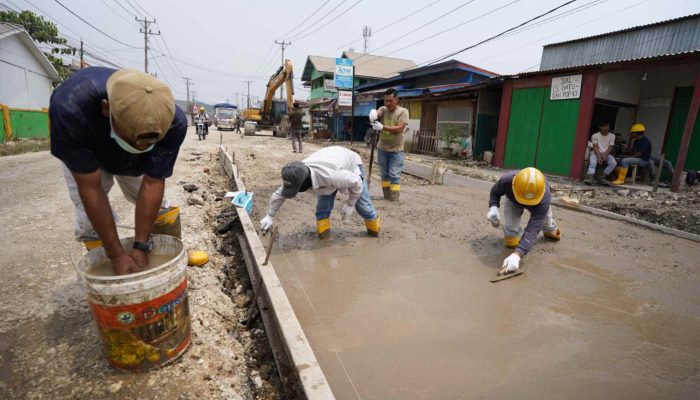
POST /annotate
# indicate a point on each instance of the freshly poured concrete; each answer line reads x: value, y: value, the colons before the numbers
x: 611, y: 311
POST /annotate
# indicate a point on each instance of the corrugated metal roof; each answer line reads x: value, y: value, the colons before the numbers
x: 678, y: 36
x: 367, y: 65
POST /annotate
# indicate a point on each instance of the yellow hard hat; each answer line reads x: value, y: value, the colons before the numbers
x: 201, y: 108
x: 529, y: 186
x: 637, y: 128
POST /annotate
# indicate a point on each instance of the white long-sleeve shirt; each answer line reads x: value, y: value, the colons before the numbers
x: 332, y: 168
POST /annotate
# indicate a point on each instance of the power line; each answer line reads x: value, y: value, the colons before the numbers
x: 146, y: 33
x: 305, y: 19
x: 142, y: 9
x: 125, y: 9
x: 269, y: 49
x: 330, y: 21
x: 116, y: 13
x: 211, y: 70
x: 318, y: 20
x: 93, y: 26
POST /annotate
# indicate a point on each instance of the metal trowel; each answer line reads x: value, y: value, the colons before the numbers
x: 506, y: 276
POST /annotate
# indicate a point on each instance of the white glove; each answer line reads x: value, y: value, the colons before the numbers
x: 377, y: 126
x: 347, y: 211
x: 510, y: 264
x: 266, y: 223
x: 494, y: 217
x: 373, y: 115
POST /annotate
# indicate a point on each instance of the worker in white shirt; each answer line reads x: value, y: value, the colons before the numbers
x: 603, y: 143
x: 326, y: 172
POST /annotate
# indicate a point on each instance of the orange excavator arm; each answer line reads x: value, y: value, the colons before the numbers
x: 283, y: 75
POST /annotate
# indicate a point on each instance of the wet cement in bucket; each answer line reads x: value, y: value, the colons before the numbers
x: 105, y: 268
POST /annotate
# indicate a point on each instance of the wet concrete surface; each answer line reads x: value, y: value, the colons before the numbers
x: 611, y: 311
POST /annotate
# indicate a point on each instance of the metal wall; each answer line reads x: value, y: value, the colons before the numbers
x: 671, y: 38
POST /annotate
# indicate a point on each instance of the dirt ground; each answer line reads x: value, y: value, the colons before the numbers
x: 609, y: 312
x: 675, y: 210
x: 49, y: 347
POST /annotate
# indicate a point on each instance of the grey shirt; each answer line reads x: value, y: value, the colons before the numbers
x: 538, y: 213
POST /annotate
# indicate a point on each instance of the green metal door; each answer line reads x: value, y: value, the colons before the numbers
x: 486, y: 129
x: 555, y: 146
x: 523, y: 127
x: 681, y: 106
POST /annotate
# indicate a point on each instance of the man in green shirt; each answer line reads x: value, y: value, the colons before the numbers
x: 393, y: 126
x: 296, y: 126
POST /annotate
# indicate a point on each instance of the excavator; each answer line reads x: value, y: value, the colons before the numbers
x: 274, y: 109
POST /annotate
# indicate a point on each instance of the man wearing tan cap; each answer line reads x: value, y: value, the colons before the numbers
x: 108, y: 124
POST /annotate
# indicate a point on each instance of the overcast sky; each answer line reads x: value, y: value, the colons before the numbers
x: 222, y: 43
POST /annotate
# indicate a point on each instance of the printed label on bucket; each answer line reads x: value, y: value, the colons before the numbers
x: 145, y: 335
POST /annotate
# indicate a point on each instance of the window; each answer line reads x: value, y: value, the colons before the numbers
x: 458, y: 115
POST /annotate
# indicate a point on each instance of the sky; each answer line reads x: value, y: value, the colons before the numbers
x: 222, y: 44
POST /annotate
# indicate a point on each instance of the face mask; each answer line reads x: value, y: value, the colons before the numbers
x: 126, y: 146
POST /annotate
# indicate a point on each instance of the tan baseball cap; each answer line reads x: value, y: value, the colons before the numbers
x: 139, y: 103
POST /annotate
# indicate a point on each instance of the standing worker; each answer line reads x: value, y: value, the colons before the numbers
x: 326, y: 172
x: 394, y: 120
x: 296, y: 126
x: 108, y: 124
x: 638, y: 153
x: 238, y: 124
x: 526, y: 189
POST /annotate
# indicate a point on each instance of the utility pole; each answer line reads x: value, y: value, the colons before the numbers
x: 248, y: 82
x: 189, y: 105
x: 82, y: 59
x: 283, y: 45
x: 366, y: 33
x: 145, y: 22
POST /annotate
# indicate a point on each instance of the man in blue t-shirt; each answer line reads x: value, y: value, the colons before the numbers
x: 124, y: 125
x: 638, y: 153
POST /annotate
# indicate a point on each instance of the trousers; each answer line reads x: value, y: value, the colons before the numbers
x: 363, y: 206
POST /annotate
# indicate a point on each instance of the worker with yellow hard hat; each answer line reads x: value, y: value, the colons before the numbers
x: 204, y: 117
x: 638, y: 152
x: 526, y: 189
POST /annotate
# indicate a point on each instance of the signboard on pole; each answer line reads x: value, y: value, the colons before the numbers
x: 344, y: 98
x: 343, y: 73
x: 566, y: 87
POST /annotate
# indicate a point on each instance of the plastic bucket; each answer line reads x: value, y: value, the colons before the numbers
x: 142, y: 318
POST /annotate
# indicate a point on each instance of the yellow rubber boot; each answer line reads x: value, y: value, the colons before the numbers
x: 621, y: 174
x: 512, y: 241
x: 168, y: 222
x: 323, y: 228
x: 373, y: 227
x: 386, y: 189
x: 92, y: 244
x: 395, y: 190
x: 556, y: 235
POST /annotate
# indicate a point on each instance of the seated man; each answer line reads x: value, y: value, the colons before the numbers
x: 526, y: 189
x: 603, y: 143
x: 326, y: 172
x: 639, y: 152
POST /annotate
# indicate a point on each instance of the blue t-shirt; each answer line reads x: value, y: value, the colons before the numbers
x: 80, y: 133
x: 643, y: 146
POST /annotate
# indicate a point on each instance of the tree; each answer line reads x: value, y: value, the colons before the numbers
x: 42, y: 31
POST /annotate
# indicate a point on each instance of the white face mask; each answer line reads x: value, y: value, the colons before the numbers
x: 126, y: 146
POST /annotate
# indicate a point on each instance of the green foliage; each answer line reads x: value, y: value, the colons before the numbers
x: 42, y: 31
x: 450, y: 135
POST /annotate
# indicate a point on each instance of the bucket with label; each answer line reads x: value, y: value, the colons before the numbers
x: 142, y: 318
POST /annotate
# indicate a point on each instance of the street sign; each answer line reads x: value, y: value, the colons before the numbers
x: 566, y: 87
x: 344, y: 98
x: 343, y: 73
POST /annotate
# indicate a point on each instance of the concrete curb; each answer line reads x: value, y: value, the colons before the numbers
x: 451, y: 179
x: 283, y: 328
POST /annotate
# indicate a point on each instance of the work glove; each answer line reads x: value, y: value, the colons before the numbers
x: 266, y: 223
x: 377, y: 126
x: 373, y: 115
x: 494, y: 217
x: 347, y: 211
x: 510, y: 264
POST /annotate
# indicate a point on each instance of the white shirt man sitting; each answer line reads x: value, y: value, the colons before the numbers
x: 603, y: 143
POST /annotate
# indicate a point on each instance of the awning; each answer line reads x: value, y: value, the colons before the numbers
x: 328, y: 105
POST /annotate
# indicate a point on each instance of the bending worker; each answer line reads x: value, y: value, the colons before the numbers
x: 326, y: 172
x: 394, y: 120
x: 108, y: 124
x: 526, y: 189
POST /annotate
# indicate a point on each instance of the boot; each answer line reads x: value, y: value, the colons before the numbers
x: 373, y: 227
x: 394, y: 191
x: 556, y: 235
x: 323, y: 227
x: 386, y: 190
x: 512, y: 241
x: 621, y: 173
x: 168, y: 222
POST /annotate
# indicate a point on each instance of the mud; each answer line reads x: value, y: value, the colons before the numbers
x: 611, y: 311
x: 105, y: 268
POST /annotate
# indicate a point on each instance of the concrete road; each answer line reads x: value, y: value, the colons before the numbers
x: 611, y: 311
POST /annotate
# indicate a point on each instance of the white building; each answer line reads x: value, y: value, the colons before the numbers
x: 26, y: 75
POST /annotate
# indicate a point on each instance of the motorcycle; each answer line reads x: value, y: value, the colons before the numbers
x: 201, y: 133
